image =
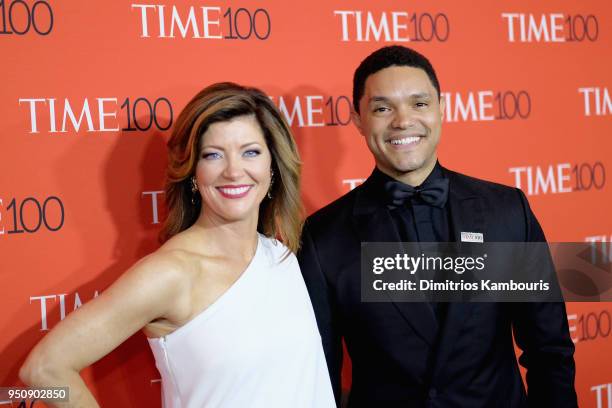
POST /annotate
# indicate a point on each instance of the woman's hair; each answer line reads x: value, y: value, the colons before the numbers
x: 279, y: 217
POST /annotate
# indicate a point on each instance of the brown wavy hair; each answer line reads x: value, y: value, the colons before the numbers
x: 279, y: 217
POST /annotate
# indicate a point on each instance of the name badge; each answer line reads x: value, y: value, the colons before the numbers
x: 472, y: 237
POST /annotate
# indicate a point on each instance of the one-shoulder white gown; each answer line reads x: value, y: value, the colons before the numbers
x: 256, y: 346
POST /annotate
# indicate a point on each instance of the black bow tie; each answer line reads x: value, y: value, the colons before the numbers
x: 433, y: 192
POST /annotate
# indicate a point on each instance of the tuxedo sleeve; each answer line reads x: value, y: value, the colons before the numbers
x: 323, y: 303
x: 541, y: 331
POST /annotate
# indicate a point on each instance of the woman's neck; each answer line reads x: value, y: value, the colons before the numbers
x: 237, y: 238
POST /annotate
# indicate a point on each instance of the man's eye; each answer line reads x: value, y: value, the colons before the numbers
x: 422, y: 104
x: 381, y: 109
x: 252, y: 153
x: 211, y: 156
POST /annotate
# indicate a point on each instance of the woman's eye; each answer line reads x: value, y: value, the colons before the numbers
x: 211, y: 156
x: 252, y: 153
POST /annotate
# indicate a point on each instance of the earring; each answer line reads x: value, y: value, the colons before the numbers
x: 271, y: 184
x: 194, y: 189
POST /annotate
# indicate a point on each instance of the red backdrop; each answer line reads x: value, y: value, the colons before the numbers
x: 90, y: 91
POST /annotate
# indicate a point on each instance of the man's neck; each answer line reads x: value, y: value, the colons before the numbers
x: 415, y: 177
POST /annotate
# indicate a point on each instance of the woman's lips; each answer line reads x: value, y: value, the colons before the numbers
x: 237, y: 191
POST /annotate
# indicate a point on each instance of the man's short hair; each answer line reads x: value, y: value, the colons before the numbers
x: 394, y: 55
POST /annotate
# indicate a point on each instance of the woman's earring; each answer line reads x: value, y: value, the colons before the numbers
x: 194, y: 189
x: 271, y: 184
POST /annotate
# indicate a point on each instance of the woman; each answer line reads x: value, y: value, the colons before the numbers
x: 222, y: 302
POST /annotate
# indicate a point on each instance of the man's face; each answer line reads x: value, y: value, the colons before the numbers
x: 400, y: 118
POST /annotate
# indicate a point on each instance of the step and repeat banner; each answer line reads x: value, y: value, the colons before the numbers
x: 89, y: 92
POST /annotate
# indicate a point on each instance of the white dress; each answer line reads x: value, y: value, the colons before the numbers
x: 256, y: 346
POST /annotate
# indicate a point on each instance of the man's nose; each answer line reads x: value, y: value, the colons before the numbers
x: 403, y: 118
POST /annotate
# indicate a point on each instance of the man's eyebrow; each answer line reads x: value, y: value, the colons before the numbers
x: 378, y: 99
x: 416, y: 95
x: 421, y: 95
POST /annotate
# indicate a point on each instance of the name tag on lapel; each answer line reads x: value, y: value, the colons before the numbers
x: 472, y: 237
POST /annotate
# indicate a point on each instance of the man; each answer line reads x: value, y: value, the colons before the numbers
x: 426, y: 354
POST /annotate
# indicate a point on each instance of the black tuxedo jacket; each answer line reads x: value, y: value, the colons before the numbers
x: 396, y: 361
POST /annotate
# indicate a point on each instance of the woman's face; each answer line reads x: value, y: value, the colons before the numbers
x: 233, y: 170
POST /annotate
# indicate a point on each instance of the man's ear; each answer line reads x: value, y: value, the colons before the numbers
x: 442, y: 108
x: 356, y: 119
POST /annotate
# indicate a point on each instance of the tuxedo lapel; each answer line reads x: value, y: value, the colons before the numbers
x: 374, y: 223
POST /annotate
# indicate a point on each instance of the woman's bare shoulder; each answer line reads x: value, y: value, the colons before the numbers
x: 167, y: 265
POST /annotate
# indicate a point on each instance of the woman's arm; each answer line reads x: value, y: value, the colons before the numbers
x: 149, y: 290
